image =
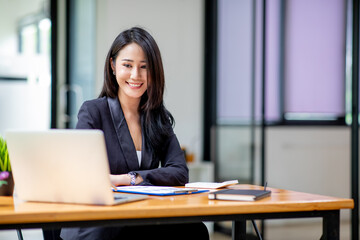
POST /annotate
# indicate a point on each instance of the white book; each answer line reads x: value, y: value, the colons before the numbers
x: 211, y: 185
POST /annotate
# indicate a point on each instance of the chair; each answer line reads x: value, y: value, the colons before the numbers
x: 52, y: 234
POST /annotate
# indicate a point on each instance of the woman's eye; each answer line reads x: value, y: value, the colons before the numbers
x: 143, y: 67
x: 127, y: 65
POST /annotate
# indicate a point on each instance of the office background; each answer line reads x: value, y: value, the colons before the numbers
x: 304, y: 152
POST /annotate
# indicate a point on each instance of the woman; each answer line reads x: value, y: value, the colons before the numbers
x: 138, y: 132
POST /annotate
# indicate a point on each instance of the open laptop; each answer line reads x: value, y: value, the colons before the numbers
x: 64, y: 166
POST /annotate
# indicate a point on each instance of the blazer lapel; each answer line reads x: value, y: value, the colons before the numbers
x: 123, y: 134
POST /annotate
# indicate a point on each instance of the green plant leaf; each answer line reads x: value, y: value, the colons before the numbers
x: 7, y: 160
x: 2, y: 167
x: 4, y: 156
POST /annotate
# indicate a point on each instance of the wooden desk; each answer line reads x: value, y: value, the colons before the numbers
x: 176, y: 209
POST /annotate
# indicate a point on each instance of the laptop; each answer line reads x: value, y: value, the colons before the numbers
x: 63, y: 166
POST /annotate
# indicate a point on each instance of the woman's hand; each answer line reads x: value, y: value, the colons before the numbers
x: 123, y: 179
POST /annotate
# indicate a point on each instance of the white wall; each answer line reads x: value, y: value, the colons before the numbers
x: 177, y: 26
x: 309, y: 159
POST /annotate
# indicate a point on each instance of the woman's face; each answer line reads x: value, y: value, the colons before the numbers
x: 131, y: 71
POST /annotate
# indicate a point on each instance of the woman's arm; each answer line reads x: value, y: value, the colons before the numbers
x: 173, y: 170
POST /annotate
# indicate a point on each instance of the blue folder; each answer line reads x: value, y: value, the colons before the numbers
x: 158, y: 190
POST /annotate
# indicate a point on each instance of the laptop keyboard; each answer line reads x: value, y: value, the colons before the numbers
x: 116, y: 197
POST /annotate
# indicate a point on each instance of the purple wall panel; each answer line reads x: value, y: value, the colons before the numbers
x: 315, y: 56
x: 272, y: 71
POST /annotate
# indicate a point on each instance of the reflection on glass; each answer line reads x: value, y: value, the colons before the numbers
x: 29, y: 39
x: 45, y: 36
x: 234, y: 156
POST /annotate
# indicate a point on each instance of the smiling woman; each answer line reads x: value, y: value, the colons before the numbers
x: 138, y: 131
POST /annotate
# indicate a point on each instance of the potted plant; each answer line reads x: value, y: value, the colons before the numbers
x: 6, y: 179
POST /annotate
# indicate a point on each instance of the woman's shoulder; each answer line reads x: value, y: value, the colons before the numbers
x: 95, y: 106
x: 91, y: 114
x: 97, y: 102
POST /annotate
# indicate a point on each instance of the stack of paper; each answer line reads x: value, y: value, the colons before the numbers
x: 211, y: 185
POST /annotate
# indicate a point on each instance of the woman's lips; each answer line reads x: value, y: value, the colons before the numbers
x: 134, y: 85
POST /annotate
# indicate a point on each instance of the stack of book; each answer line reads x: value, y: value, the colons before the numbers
x: 230, y: 193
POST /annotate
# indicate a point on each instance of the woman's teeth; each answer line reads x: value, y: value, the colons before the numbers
x: 134, y: 84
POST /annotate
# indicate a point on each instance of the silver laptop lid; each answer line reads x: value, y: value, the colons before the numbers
x: 68, y: 166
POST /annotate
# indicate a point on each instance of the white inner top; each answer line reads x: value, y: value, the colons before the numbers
x: 139, y: 156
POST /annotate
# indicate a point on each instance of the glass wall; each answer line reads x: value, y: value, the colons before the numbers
x: 81, y: 57
x: 235, y: 91
x: 304, y: 72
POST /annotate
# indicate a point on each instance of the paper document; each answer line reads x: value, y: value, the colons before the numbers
x: 211, y: 185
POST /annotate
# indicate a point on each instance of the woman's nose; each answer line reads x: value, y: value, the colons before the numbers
x: 135, y: 73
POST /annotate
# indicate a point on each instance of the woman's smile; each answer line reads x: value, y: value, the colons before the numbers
x: 134, y: 85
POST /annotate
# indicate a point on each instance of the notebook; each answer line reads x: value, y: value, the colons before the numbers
x: 64, y: 166
x: 239, y: 194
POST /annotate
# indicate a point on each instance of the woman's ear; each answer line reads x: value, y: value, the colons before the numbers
x: 112, y: 64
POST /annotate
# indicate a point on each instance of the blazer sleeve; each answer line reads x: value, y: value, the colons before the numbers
x: 173, y: 170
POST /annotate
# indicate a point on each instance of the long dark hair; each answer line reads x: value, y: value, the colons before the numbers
x: 156, y: 119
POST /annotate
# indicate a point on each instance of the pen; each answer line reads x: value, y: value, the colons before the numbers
x: 185, y: 190
x: 114, y: 187
x: 265, y: 186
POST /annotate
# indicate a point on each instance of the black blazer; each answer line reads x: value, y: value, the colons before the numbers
x: 106, y: 114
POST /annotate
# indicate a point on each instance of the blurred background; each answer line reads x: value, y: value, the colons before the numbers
x: 260, y: 90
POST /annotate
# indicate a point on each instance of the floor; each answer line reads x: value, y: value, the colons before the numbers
x: 293, y: 231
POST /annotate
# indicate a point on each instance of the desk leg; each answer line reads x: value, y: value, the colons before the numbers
x: 239, y: 230
x: 331, y: 226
